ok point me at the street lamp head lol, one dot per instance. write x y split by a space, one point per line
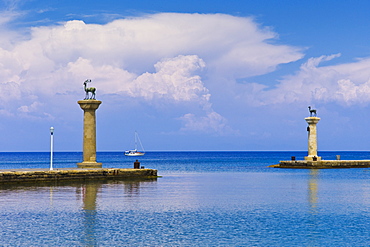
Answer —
51 147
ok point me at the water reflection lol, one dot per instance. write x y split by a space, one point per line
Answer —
313 209
51 196
87 193
90 192
132 188
313 190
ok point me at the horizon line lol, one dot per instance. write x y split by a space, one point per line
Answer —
115 151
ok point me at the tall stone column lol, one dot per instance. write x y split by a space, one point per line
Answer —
312 138
89 139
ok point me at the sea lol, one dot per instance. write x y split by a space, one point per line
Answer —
200 199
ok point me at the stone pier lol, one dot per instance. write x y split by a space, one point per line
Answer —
89 136
69 174
312 139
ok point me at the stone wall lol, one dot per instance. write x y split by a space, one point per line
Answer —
74 174
322 164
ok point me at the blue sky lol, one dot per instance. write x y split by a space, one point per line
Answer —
191 75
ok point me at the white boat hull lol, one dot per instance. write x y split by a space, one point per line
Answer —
134 154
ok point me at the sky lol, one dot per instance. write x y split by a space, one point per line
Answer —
186 75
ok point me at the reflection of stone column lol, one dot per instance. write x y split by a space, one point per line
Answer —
89 138
313 188
90 192
312 138
314 215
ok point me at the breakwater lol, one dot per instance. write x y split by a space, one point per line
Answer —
323 164
31 175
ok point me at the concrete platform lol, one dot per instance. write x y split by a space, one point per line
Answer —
31 175
323 164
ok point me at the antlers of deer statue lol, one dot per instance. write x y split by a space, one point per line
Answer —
88 90
312 112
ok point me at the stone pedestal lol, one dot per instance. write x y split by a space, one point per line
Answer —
89 138
312 139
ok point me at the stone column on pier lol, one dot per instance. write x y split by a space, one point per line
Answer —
89 137
312 138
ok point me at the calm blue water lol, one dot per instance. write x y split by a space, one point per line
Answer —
202 199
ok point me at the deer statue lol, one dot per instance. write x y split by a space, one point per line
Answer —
312 112
89 90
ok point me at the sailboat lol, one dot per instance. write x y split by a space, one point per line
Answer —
135 152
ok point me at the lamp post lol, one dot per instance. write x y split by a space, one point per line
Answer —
51 148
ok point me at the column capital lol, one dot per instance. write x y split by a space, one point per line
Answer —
312 120
89 104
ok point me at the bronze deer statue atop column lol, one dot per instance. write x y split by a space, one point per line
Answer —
312 112
89 90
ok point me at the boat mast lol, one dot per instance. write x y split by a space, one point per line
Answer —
136 139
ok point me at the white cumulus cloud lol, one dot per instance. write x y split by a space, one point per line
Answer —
165 56
212 122
174 78
345 84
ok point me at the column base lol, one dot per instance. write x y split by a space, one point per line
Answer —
311 158
89 165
